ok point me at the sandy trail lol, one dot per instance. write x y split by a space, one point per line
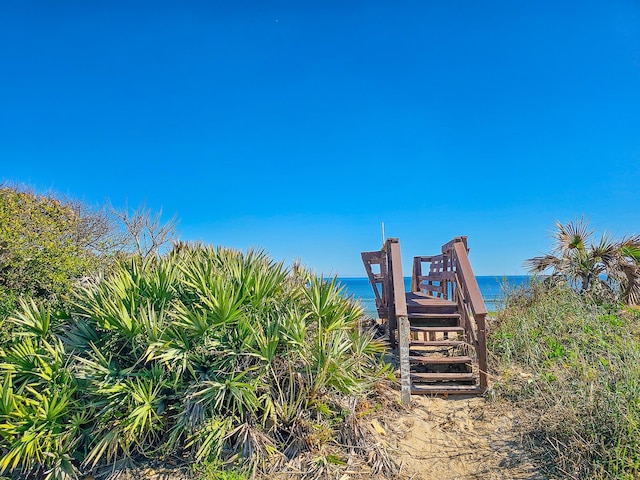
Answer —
451 439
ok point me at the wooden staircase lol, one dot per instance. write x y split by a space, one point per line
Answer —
439 323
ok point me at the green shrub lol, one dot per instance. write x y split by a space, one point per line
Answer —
48 244
39 254
216 471
209 354
576 366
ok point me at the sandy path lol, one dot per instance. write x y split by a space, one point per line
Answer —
451 439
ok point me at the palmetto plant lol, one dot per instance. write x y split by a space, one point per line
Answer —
206 353
606 266
41 419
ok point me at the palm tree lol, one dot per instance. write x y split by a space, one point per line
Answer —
607 265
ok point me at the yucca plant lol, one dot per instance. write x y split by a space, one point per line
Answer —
209 353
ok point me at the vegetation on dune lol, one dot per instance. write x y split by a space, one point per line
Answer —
567 350
574 366
207 354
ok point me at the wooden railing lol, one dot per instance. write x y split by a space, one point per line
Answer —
378 280
451 277
387 283
391 303
400 315
439 279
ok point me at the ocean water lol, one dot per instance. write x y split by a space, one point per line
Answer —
492 289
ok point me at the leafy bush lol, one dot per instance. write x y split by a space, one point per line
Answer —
204 353
39 254
47 244
575 366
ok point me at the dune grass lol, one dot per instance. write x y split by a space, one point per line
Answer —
574 366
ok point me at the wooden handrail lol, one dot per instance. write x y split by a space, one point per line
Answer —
467 295
472 291
449 245
395 267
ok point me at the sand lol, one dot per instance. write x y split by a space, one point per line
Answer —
450 439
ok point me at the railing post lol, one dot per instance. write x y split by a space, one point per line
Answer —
445 283
416 273
405 372
400 314
482 350
392 323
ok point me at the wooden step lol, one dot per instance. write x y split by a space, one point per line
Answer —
420 299
435 320
433 315
446 390
438 329
443 377
440 360
436 343
423 303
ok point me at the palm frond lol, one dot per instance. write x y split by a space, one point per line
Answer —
572 235
546 262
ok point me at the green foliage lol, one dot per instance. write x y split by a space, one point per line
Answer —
47 244
217 471
206 353
576 367
607 271
38 255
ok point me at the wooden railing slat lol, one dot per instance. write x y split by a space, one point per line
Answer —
470 282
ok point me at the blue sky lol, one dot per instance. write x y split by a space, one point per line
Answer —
299 126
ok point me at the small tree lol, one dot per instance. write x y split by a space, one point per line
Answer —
609 265
44 245
47 243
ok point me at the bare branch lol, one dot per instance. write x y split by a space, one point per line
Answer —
146 233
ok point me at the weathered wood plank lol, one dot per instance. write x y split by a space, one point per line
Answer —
425 389
438 343
441 360
438 329
405 366
423 299
418 316
444 376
